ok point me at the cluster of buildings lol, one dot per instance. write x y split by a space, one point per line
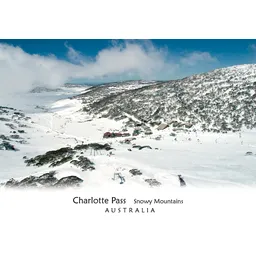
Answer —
137 130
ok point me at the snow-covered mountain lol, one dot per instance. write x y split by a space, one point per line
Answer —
221 100
56 138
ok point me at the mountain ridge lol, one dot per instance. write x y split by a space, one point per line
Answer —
220 100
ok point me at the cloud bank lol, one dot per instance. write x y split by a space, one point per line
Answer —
196 58
21 71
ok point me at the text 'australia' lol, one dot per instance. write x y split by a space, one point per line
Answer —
129 210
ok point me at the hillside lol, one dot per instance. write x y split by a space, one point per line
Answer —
57 138
221 100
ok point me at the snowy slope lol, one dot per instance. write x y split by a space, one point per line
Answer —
55 119
221 100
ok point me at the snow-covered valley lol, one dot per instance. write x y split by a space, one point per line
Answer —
50 132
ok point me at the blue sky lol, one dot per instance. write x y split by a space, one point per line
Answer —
108 60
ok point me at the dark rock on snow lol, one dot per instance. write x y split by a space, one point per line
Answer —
69 181
153 182
95 146
28 182
3 137
135 172
4 119
11 183
16 137
11 126
7 146
46 180
54 157
63 155
84 163
145 147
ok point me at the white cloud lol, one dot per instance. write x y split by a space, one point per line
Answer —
73 55
21 71
195 58
141 58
